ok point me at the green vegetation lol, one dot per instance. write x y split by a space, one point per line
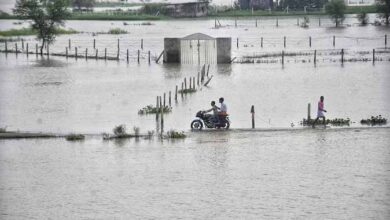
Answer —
172 134
150 109
3 130
362 18
46 16
74 137
119 16
383 8
377 120
334 122
185 91
30 31
119 130
336 10
116 4
117 31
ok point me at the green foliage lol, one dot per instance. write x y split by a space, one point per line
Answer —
383 8
334 122
362 18
172 134
336 10
117 31
74 137
30 31
150 109
46 16
377 120
119 130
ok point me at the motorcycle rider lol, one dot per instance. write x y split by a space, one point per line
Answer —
222 110
214 109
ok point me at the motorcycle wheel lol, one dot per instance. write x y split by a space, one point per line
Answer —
227 125
196 125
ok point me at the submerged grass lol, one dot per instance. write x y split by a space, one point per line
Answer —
172 134
30 31
334 122
377 120
75 137
150 109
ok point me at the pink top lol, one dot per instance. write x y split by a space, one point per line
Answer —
320 106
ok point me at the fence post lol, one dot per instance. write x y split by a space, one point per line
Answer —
27 49
253 116
22 44
176 93
182 89
310 41
277 22
66 52
75 52
16 48
105 53
149 56
193 82
142 44
256 22
198 78
237 42
342 55
94 43
235 22
164 100
282 57
138 56
169 99
373 55
185 83
47 50
315 57
334 41
261 42
86 53
284 41
308 112
96 55
6 46
157 108
127 55
385 41
36 49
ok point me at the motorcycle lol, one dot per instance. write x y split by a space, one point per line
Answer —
207 121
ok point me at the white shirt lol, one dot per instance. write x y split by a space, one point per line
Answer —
223 107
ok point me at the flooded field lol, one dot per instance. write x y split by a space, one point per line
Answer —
239 174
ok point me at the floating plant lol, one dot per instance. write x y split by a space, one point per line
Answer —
150 109
377 120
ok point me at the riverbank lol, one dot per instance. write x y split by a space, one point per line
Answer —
131 16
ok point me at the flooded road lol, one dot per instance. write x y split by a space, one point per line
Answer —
311 174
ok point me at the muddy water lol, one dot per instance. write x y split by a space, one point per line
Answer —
219 175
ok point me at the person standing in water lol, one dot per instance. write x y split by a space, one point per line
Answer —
320 111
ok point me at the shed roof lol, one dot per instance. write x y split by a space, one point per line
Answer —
198 36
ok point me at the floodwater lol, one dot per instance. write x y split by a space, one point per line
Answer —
320 174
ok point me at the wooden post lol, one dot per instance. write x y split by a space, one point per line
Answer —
36 49
149 56
169 99
235 22
157 108
41 51
138 56
66 52
182 89
86 53
277 22
308 112
198 78
193 82
47 50
6 46
334 41
261 42
96 55
282 57
127 55
256 22
176 93
27 49
190 82
208 68
164 100
16 48
160 101
310 41
284 41
75 52
22 44
185 83
69 44
162 118
237 42
373 55
94 43
385 41
253 116
215 23
142 44
105 53
315 57
342 55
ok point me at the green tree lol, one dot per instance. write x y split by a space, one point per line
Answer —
362 18
336 10
46 16
383 8
83 4
300 4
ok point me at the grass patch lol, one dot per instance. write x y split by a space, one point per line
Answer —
120 16
150 109
74 137
185 91
172 134
377 120
30 31
117 31
334 122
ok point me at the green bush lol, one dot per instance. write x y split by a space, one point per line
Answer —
377 120
172 134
